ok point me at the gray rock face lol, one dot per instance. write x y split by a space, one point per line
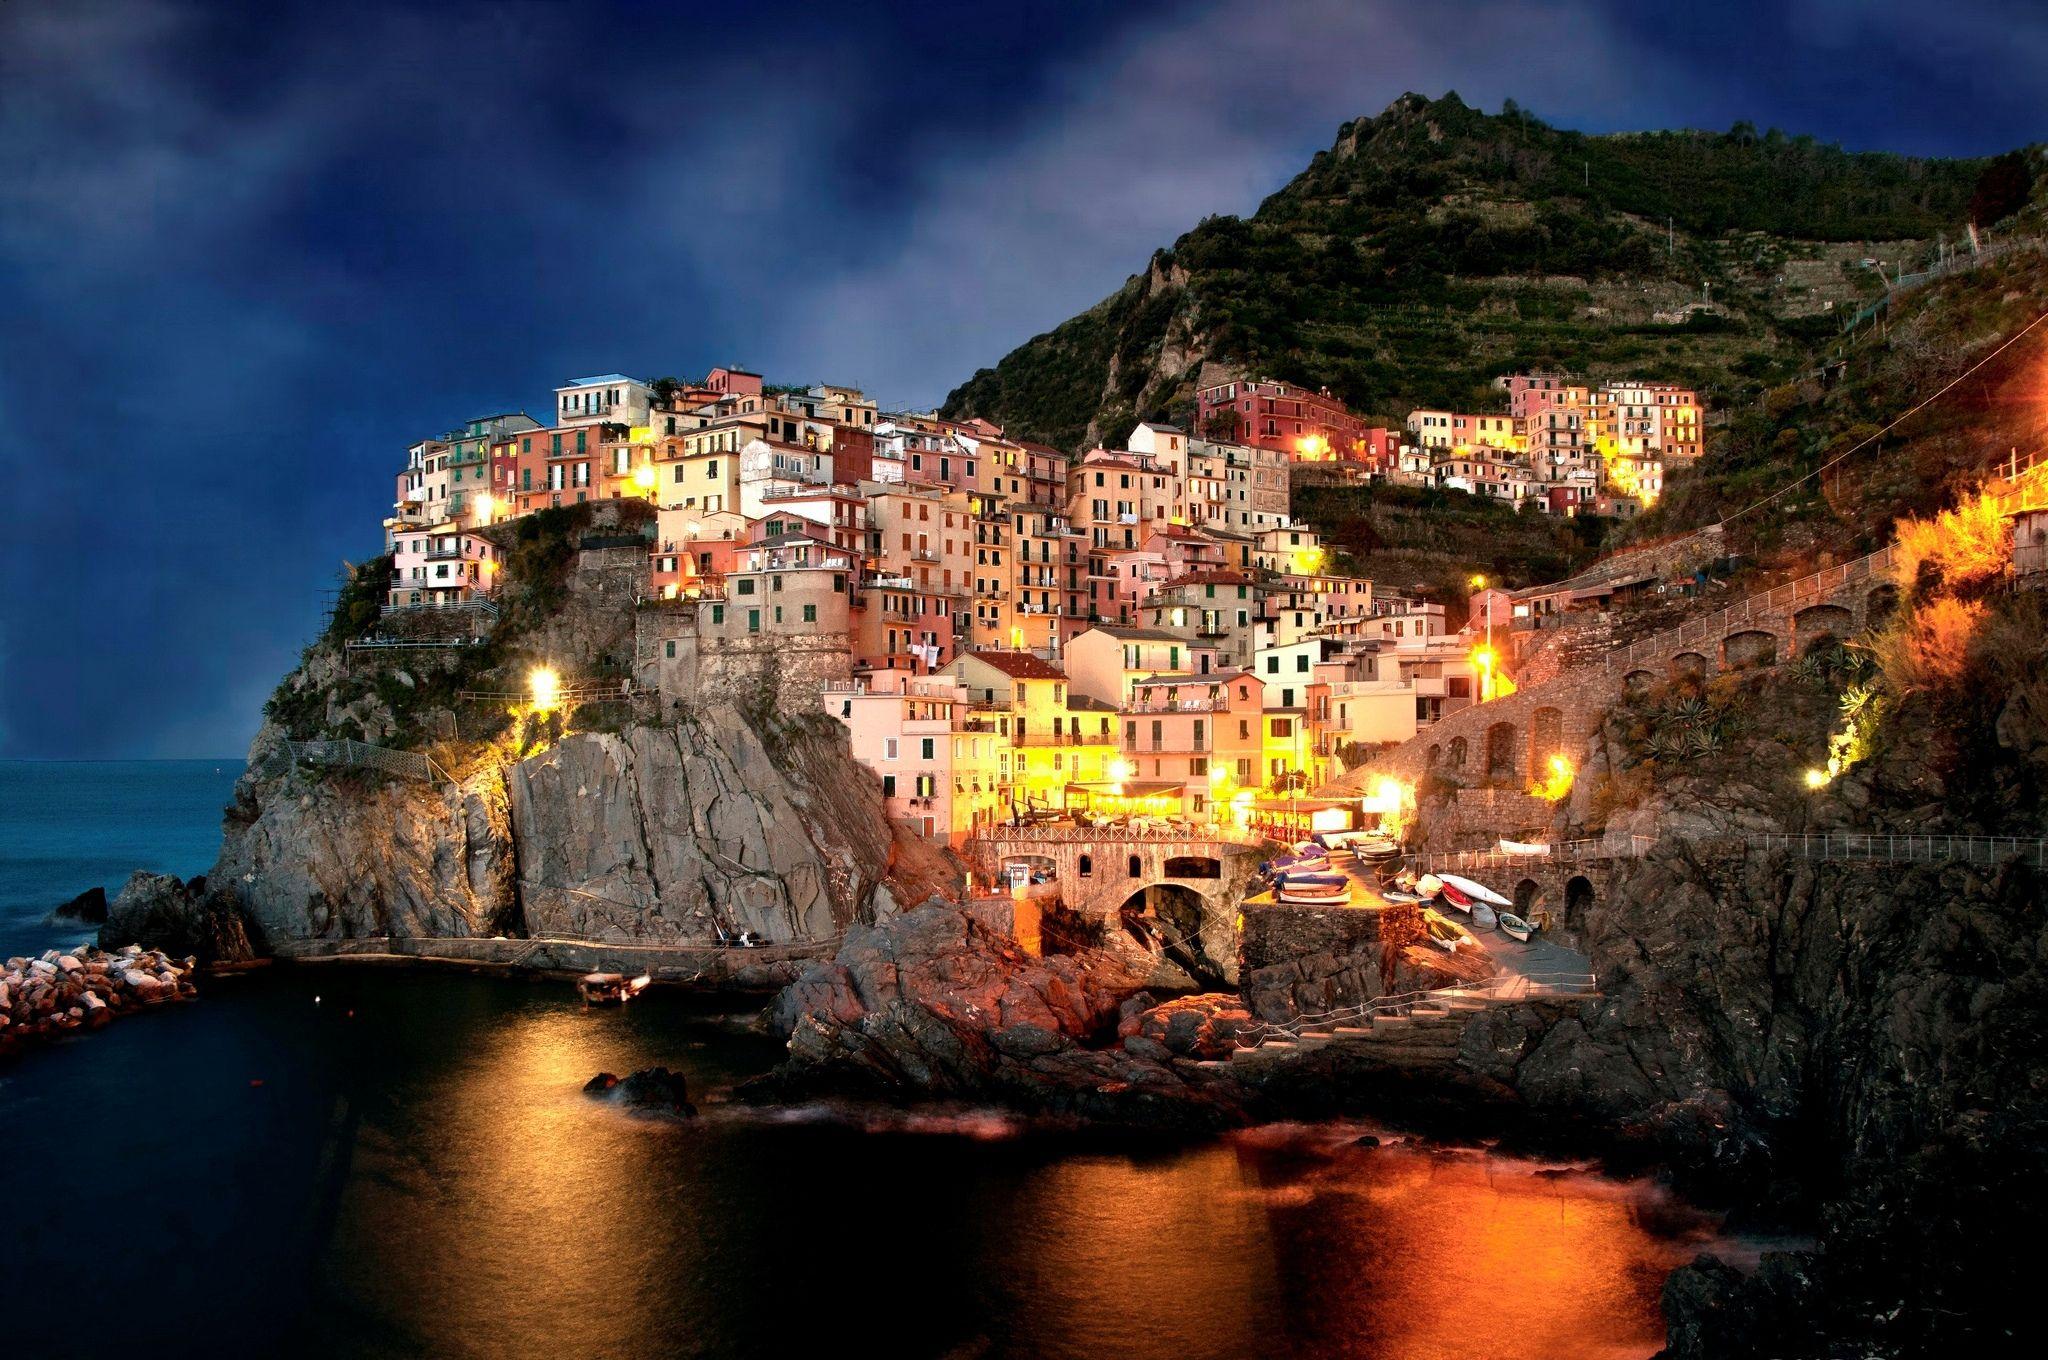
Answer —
1834 1040
654 834
667 833
331 858
157 911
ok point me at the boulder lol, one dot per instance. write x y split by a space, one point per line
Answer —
157 911
88 908
653 1091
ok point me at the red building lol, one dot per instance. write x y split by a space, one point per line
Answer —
1282 417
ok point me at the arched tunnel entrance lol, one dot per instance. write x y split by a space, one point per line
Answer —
1166 919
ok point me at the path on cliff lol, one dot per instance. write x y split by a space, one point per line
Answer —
1539 957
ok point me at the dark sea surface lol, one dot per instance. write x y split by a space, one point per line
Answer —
365 1162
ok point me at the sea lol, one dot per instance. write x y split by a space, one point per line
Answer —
338 1160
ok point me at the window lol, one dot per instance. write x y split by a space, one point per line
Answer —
925 749
888 786
888 748
718 613
1301 661
669 649
753 620
1085 866
810 613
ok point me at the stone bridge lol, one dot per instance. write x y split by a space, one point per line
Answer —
1143 888
1511 740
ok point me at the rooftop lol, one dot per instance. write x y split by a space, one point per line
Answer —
1019 665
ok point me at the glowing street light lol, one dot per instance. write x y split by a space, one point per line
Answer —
486 505
544 686
643 478
1816 779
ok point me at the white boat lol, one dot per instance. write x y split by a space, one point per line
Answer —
1396 895
1428 886
1478 892
1483 916
1514 927
1508 847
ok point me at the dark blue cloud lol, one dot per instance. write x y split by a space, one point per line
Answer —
249 252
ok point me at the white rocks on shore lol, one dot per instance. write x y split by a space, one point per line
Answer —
46 996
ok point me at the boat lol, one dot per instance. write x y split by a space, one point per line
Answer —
1455 899
610 989
1483 916
1514 927
1446 934
1428 886
1478 892
1378 855
1508 847
1398 895
1314 859
1313 890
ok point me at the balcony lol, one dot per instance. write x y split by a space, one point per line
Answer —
1064 739
925 555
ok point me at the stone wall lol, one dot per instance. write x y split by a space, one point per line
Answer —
675 664
1277 934
1474 819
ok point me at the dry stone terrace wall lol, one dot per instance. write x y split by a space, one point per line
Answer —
1508 741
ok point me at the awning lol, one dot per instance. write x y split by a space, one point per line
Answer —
1128 788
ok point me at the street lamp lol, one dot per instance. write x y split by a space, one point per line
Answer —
545 687
1479 583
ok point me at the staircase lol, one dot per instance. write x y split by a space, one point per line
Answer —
1409 1029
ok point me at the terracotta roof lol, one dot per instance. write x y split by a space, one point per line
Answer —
1020 665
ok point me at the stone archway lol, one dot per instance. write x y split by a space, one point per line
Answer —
1532 902
1750 647
1500 750
1167 920
1455 757
1436 754
1635 682
1818 622
1688 663
1879 603
1579 898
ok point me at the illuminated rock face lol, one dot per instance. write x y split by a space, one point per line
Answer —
668 834
932 1004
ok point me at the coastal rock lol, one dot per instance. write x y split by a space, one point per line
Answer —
1206 1026
667 834
88 908
933 1004
49 996
158 911
649 1091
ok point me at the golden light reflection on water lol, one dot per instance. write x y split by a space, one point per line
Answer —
493 1210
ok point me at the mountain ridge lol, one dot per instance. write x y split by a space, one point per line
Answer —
1435 246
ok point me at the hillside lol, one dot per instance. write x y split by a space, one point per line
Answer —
1435 246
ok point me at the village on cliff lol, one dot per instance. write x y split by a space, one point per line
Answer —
1010 632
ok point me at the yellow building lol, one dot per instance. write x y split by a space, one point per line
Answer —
1052 737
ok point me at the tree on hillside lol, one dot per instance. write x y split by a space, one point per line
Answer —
2002 190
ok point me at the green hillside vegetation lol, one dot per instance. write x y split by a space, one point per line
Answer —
1435 247
1932 335
1433 541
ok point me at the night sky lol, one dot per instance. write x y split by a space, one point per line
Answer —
249 253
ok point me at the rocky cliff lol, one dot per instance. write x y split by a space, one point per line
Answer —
652 834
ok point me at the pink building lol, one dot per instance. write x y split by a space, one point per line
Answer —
936 760
440 565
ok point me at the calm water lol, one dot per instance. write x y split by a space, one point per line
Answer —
372 1163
